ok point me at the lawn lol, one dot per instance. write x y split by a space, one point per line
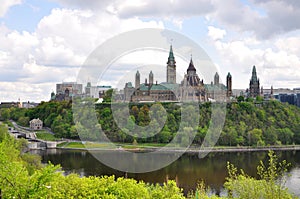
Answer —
96 145
89 145
46 136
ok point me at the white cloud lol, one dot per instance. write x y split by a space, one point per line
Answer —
57 48
263 19
6 4
216 33
275 65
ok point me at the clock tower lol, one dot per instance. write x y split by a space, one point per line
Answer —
171 68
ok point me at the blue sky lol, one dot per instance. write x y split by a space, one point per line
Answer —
45 42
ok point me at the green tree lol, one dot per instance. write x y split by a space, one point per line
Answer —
240 98
23 121
5 113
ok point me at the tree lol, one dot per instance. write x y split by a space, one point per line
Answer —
240 185
23 121
5 113
108 95
255 137
240 98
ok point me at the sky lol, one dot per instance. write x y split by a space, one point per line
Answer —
44 42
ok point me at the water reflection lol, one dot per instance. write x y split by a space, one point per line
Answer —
188 170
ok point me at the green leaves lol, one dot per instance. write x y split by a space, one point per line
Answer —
240 185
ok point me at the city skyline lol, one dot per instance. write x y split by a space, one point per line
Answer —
46 42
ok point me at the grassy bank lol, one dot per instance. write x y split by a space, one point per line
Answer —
155 146
44 135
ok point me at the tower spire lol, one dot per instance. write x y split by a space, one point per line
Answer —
191 66
171 55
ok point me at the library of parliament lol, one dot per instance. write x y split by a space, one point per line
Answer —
191 88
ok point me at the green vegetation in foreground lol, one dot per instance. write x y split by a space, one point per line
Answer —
46 136
23 176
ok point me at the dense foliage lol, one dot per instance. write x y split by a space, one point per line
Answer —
247 123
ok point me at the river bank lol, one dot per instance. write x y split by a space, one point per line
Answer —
192 149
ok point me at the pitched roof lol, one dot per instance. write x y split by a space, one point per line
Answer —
191 66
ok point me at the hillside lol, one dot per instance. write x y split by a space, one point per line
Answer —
247 123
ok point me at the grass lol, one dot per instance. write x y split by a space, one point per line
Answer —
89 145
96 145
46 136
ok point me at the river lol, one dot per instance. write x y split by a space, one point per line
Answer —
187 171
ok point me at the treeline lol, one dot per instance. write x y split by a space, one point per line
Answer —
246 123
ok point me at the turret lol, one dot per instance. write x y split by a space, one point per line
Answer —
150 78
216 79
137 80
229 84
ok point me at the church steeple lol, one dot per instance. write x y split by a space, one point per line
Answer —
254 75
254 84
171 68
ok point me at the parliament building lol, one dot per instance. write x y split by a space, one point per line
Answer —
191 88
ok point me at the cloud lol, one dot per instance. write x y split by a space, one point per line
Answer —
275 65
58 47
216 33
264 19
25 91
167 8
6 4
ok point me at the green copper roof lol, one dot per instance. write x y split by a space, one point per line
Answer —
254 69
143 87
228 75
254 75
129 85
169 86
210 87
171 55
158 87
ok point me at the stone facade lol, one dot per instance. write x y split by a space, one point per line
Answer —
36 124
191 88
